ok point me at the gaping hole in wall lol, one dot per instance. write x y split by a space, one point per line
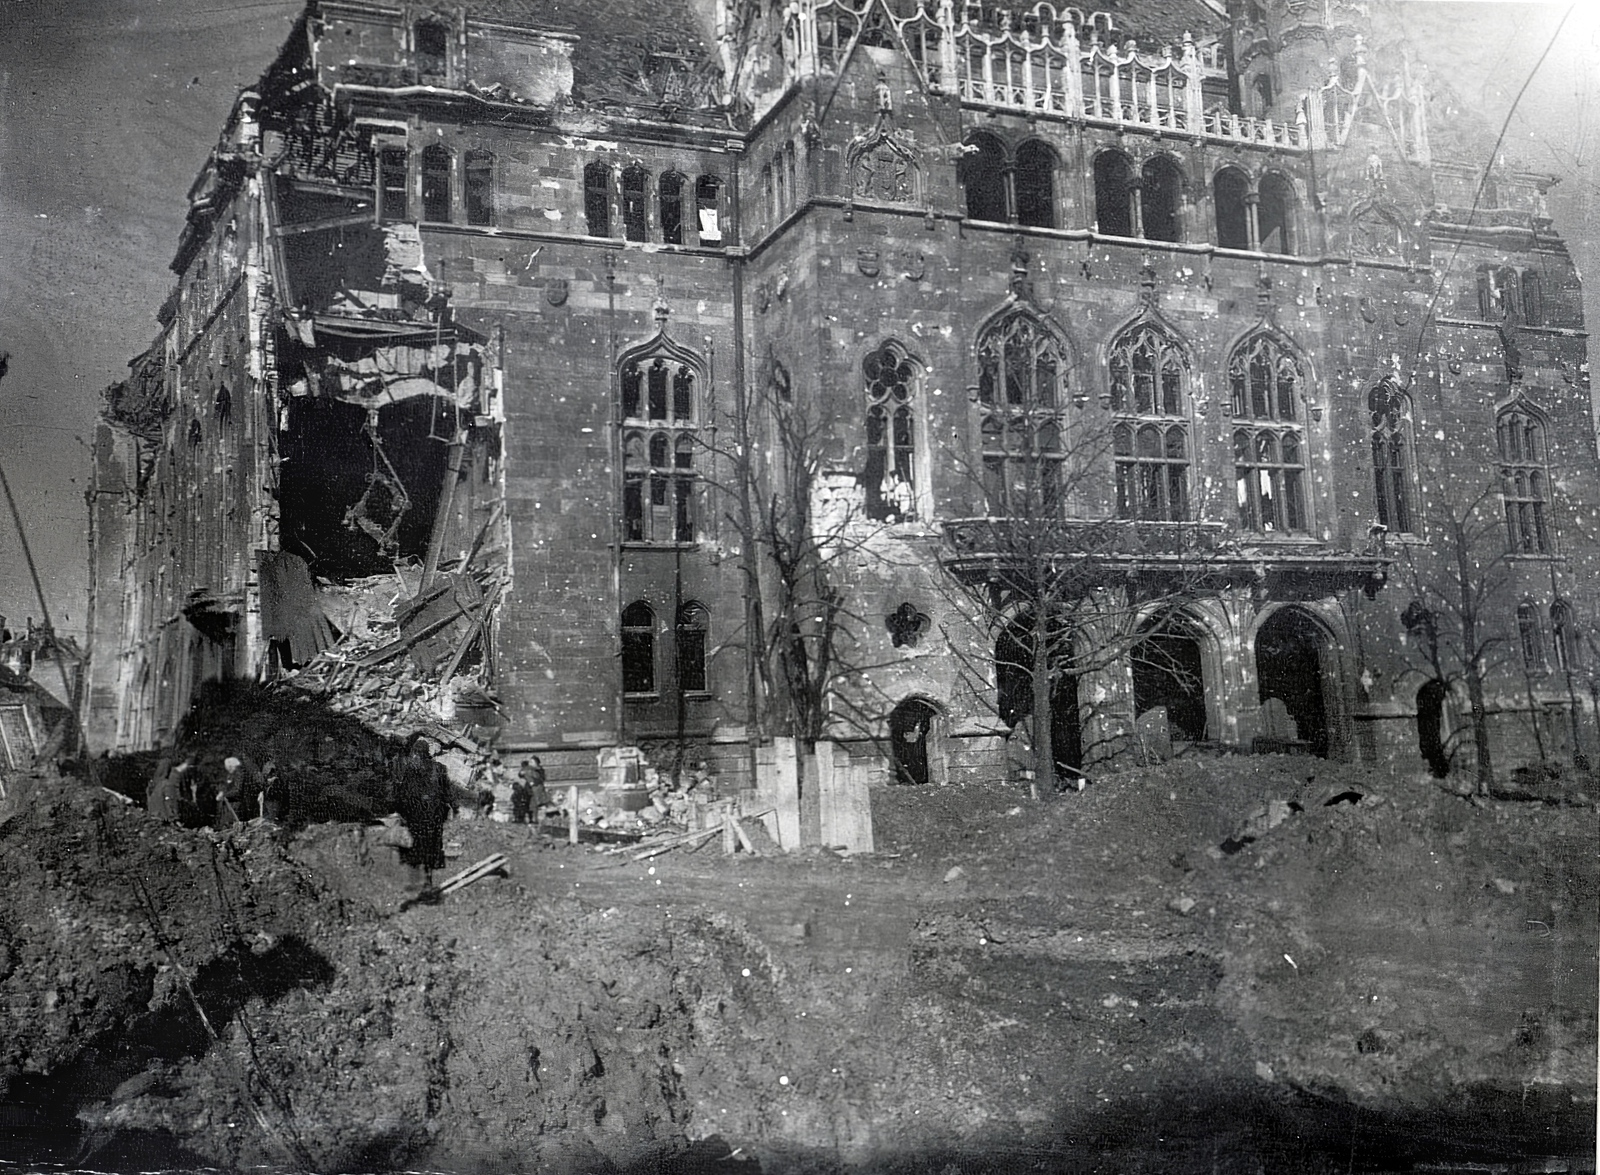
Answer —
1289 648
1228 192
1162 200
982 174
1167 672
354 495
910 725
1113 194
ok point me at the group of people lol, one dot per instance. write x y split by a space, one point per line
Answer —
530 799
182 793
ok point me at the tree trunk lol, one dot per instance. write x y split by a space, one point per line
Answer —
1044 751
1474 663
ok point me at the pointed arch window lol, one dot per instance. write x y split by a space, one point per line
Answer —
1161 200
1565 638
1524 480
1269 453
436 183
638 650
1275 206
1529 637
1114 187
708 209
597 199
1150 436
635 217
1034 181
694 622
1021 387
659 446
891 377
1390 411
392 168
983 176
1229 194
478 194
670 189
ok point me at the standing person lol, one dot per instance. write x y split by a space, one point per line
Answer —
520 792
532 773
422 794
164 799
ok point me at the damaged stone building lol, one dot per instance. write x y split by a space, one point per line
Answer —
524 299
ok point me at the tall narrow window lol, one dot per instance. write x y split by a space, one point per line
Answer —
1021 383
670 187
635 218
638 649
1034 178
789 172
982 174
1161 200
659 446
1564 637
1523 480
1532 299
1529 638
690 634
1150 438
1228 197
1491 296
479 192
597 199
1268 444
708 209
890 476
1391 455
433 45
436 183
769 191
1275 215
392 184
1113 194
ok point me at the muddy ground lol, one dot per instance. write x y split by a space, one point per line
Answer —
1216 966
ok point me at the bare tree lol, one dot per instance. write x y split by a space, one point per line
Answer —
1059 582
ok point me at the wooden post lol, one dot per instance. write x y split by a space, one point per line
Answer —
572 814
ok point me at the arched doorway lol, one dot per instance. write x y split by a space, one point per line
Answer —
1013 660
1430 728
1169 671
910 739
1289 670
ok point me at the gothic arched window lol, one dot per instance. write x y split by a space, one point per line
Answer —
1229 191
1113 194
1524 480
1150 438
1564 637
436 183
1021 385
392 184
983 176
1390 411
1034 181
659 444
635 214
638 649
690 637
1275 205
670 189
478 194
597 199
891 378
1269 454
1529 637
1161 200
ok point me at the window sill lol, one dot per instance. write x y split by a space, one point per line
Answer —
647 545
641 698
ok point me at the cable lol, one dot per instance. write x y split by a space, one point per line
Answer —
1483 182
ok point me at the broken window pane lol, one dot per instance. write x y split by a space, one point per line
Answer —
693 622
635 183
436 183
597 199
392 184
671 188
638 649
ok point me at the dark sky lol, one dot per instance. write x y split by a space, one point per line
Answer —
108 107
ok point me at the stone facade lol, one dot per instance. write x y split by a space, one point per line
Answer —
611 265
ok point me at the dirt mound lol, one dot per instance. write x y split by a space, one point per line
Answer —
1215 965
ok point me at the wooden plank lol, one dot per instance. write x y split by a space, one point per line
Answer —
475 872
780 786
845 803
572 814
744 839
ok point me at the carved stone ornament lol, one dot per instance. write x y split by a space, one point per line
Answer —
1376 230
764 297
556 291
869 262
913 265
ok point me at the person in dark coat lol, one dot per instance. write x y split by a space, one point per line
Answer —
422 796
165 798
531 776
